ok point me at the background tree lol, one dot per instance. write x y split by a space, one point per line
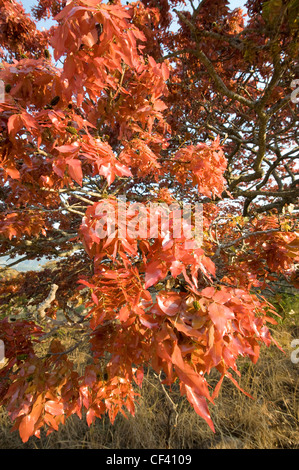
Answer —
202 113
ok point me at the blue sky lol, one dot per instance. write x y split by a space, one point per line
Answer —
237 3
28 4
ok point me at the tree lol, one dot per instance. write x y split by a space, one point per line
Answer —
203 113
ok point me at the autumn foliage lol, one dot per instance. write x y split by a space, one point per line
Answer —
114 100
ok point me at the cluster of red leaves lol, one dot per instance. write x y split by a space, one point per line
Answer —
18 338
185 335
204 165
18 224
18 33
44 391
274 252
94 63
106 396
111 229
279 249
48 8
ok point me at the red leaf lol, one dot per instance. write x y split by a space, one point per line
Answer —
228 374
29 121
37 409
208 264
90 39
148 322
220 314
68 148
15 123
49 419
75 170
176 268
26 428
188 375
54 408
159 105
152 62
85 283
90 416
124 313
186 329
169 303
217 388
139 376
200 406
154 272
222 297
208 292
59 168
13 173
94 298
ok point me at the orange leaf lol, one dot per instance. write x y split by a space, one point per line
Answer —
15 123
54 408
26 428
200 406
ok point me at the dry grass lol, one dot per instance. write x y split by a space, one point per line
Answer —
268 421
